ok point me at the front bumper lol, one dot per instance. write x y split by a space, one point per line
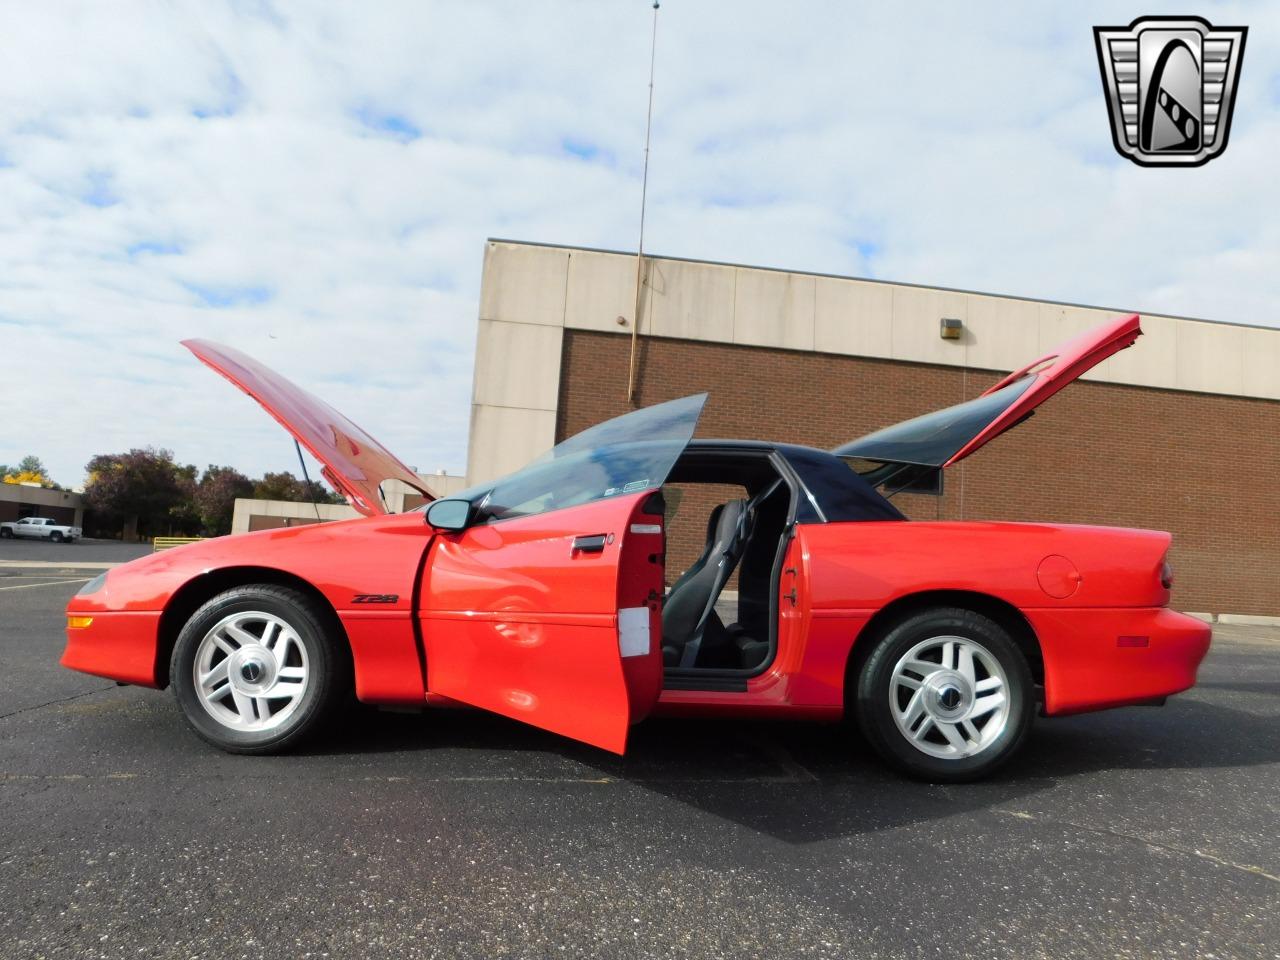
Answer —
117 645
1094 659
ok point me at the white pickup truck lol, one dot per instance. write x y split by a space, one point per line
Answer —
39 528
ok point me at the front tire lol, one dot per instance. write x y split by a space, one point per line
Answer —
945 696
56 537
258 669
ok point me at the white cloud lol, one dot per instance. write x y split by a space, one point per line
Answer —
314 185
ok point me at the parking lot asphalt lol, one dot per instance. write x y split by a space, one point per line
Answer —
1133 833
14 550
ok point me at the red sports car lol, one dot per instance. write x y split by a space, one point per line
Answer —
544 596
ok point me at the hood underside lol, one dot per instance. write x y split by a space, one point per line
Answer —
353 462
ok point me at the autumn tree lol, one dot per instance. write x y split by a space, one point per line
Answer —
285 486
30 469
216 494
184 514
139 487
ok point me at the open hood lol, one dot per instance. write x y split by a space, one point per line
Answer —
354 463
947 436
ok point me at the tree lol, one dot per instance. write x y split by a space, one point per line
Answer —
216 495
285 486
29 469
184 514
141 486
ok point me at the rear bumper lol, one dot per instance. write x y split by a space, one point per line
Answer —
116 645
1094 659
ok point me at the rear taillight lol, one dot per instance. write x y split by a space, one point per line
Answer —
1166 575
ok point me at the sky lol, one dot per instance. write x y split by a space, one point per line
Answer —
313 184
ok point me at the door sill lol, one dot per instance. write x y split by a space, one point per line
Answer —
689 682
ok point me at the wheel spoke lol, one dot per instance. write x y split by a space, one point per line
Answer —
281 649
223 644
264 711
964 662
984 705
244 706
970 731
914 708
954 736
919 732
269 633
987 685
291 674
949 655
240 635
911 683
214 678
922 667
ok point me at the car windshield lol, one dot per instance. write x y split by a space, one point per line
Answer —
627 454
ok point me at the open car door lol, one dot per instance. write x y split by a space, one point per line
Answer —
927 444
353 462
547 606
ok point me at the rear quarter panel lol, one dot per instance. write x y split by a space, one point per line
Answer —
851 571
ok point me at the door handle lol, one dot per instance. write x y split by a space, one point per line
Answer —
589 544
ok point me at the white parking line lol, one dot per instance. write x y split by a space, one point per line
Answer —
51 583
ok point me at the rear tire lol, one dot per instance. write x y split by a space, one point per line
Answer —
6 534
259 669
945 696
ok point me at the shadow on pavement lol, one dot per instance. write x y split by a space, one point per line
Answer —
802 782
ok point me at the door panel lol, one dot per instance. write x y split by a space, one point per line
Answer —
518 621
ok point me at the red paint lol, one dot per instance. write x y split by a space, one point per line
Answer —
117 645
518 622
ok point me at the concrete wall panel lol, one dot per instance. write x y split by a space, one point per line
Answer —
1001 334
523 283
773 309
917 317
601 289
1262 363
1209 358
517 365
692 301
852 317
504 439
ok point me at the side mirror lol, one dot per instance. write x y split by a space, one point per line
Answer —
449 514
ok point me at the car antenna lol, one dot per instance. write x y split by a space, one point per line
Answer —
644 195
303 463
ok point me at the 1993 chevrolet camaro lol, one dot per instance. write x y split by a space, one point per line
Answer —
544 595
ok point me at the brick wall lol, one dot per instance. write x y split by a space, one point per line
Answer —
1201 466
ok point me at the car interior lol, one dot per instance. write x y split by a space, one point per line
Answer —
719 613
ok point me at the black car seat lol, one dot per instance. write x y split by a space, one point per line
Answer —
690 606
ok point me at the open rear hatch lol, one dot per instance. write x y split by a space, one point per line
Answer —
911 454
353 462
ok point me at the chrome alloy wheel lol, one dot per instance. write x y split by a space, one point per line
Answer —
250 671
948 696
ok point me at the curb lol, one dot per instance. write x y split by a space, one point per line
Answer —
1248 620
